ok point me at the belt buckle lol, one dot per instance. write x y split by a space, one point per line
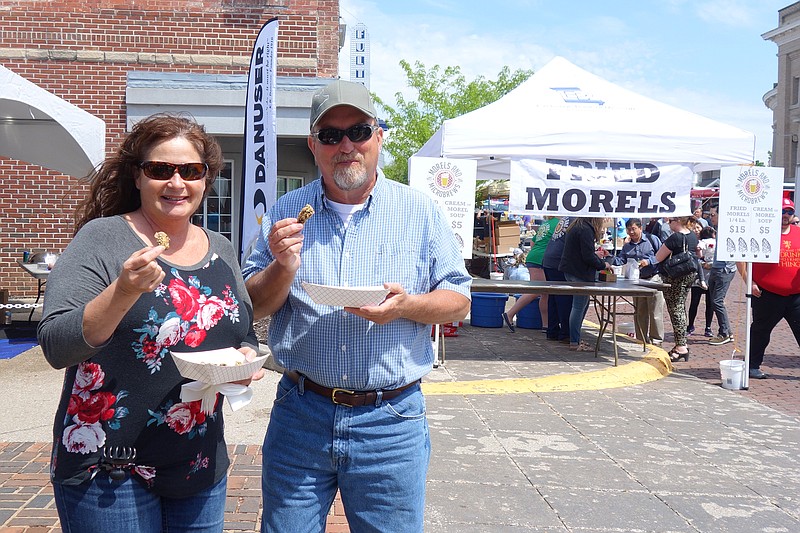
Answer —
345 391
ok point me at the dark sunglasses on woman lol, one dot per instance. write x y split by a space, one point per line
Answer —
159 170
357 134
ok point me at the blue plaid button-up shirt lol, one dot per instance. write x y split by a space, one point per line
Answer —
400 236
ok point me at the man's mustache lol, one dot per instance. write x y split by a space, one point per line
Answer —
348 158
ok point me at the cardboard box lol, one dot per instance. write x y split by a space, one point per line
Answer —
505 243
507 228
607 276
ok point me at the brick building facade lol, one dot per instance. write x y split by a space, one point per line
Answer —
784 98
123 59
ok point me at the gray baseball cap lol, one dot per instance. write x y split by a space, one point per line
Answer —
340 93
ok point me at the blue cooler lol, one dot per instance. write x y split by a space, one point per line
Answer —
487 309
529 316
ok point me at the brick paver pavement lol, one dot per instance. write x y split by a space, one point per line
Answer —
781 359
27 505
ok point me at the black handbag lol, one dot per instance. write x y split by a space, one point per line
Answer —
680 264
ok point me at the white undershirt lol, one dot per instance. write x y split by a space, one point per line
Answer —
345 211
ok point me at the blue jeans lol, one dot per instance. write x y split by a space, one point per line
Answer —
718 282
103 505
376 455
580 304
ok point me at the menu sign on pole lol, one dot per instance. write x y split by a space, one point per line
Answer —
749 227
451 183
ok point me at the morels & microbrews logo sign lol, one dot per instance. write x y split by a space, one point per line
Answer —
752 184
444 179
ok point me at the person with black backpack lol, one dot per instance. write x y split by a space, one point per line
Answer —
649 314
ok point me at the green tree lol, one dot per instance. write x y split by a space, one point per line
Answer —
441 94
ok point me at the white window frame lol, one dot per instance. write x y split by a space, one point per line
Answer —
205 218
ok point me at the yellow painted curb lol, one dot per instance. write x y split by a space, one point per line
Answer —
655 365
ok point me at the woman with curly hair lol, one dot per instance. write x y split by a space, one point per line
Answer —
137 281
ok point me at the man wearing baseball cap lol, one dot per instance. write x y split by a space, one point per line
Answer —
349 413
776 291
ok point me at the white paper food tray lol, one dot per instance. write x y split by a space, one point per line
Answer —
216 366
345 296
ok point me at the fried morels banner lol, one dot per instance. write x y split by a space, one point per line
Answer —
599 188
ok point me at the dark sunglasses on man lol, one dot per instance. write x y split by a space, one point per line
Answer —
159 170
357 134
788 211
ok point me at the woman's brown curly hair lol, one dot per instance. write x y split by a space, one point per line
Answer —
113 187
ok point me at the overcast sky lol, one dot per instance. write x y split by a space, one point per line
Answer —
704 56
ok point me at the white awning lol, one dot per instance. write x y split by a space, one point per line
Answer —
38 127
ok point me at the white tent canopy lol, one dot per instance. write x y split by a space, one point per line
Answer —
563 112
38 127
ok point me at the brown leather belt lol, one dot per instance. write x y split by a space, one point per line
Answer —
347 397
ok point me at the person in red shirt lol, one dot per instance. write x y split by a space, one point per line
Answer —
776 292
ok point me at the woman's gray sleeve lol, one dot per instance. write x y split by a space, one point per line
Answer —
82 272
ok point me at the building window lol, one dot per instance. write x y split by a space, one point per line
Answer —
795 90
216 212
286 184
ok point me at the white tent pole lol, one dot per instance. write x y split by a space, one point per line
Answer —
748 299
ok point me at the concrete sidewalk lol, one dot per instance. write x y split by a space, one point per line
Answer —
660 454
674 454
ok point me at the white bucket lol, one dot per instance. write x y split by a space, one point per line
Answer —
496 275
732 371
628 328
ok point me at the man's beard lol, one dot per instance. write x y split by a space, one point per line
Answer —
350 178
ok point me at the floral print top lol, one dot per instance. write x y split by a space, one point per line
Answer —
127 392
